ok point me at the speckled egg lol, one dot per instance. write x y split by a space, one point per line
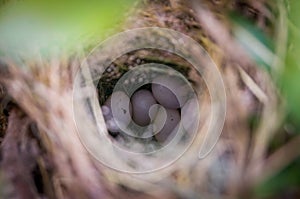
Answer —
142 100
172 121
169 91
190 115
165 96
123 111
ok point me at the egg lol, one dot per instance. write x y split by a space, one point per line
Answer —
172 121
165 96
142 100
169 91
190 115
123 111
112 126
106 112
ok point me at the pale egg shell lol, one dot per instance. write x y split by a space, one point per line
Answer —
172 121
123 112
106 112
165 96
142 100
170 91
112 126
190 115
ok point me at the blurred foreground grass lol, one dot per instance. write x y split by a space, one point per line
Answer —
287 181
291 75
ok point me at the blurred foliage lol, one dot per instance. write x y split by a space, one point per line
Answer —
288 179
32 26
286 183
262 49
253 40
291 75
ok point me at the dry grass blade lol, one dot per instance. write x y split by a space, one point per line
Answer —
20 157
278 160
220 34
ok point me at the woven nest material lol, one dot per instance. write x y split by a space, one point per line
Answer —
43 157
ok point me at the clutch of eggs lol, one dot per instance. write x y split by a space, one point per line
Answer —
169 94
